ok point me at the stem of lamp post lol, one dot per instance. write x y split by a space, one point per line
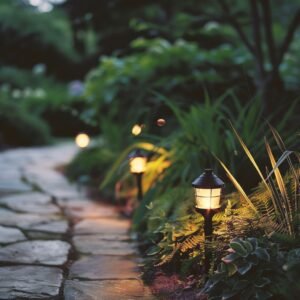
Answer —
208 231
139 186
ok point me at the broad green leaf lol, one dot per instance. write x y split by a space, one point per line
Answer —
244 268
239 248
261 282
230 258
262 254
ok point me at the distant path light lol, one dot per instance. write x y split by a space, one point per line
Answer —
136 129
161 122
82 140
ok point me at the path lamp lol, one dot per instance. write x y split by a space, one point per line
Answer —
82 140
208 190
137 164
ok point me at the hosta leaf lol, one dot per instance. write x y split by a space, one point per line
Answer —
241 285
262 254
248 246
244 268
228 294
261 282
231 269
263 295
253 242
239 248
230 258
253 259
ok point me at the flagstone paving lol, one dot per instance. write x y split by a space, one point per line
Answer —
55 243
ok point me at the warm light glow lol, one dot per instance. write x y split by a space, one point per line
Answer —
136 129
161 122
82 140
138 165
208 198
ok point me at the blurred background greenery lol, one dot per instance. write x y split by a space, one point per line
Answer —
70 62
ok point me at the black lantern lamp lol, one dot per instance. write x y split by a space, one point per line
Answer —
208 191
137 164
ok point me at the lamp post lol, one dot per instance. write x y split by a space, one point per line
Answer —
137 164
208 191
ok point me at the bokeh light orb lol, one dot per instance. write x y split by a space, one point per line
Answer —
82 140
161 122
136 129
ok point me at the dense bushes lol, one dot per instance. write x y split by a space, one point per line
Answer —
19 128
56 104
90 164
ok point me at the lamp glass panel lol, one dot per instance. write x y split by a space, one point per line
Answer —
208 198
138 165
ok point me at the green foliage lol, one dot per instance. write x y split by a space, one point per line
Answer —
19 128
23 22
168 195
276 201
255 269
91 163
44 97
35 92
157 64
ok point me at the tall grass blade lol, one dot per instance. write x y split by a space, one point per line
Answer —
238 187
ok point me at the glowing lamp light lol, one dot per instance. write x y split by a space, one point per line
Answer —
136 129
161 122
82 140
208 190
137 162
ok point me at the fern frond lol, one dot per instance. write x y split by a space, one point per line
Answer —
191 242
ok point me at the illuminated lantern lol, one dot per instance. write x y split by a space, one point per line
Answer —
136 129
137 164
82 140
208 190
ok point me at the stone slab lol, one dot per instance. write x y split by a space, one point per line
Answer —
51 182
8 173
10 235
36 203
109 226
88 210
94 244
57 227
100 267
106 290
14 186
29 282
24 221
52 253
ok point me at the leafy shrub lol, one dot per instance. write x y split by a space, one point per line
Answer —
276 200
46 98
176 70
19 128
24 22
255 269
90 163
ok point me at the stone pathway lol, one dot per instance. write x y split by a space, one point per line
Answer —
54 242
